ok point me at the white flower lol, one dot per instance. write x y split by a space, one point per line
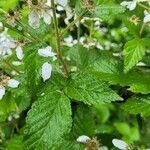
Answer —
46 71
46 52
37 12
19 52
2 91
147 17
60 8
13 83
83 139
6 44
69 41
120 144
48 3
62 2
16 63
58 2
69 14
103 148
131 5
34 19
46 15
13 72
140 64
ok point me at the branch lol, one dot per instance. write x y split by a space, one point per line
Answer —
59 54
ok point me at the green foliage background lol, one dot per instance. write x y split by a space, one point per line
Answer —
107 97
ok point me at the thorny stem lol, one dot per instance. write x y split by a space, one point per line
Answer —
59 54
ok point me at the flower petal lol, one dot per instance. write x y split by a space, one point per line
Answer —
83 139
124 3
120 144
46 71
2 92
62 2
19 53
147 18
131 5
13 83
46 16
46 52
16 63
34 19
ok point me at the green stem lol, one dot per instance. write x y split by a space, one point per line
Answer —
27 31
11 66
142 29
143 6
59 54
73 22
3 11
31 37
78 38
91 30
16 30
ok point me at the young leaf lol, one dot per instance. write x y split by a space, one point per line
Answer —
90 90
138 105
47 121
133 52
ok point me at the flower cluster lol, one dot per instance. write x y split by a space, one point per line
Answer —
46 67
131 5
7 81
7 44
43 10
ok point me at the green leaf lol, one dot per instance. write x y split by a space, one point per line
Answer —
70 144
31 67
7 105
47 121
6 4
110 69
138 105
83 122
15 143
56 83
125 129
103 11
133 29
33 64
106 11
81 56
134 51
90 90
